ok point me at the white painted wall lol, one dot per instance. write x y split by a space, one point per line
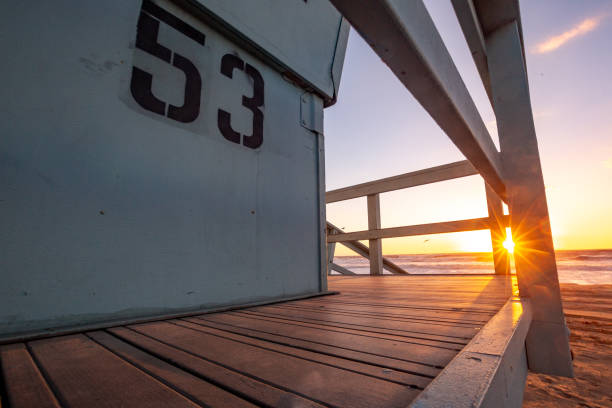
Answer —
189 219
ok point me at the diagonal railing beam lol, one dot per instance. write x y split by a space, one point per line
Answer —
478 18
340 269
364 251
468 20
404 36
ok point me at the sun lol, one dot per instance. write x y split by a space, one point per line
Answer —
508 243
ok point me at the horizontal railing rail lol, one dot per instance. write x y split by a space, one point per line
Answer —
416 178
473 224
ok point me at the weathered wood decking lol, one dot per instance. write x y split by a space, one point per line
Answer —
377 344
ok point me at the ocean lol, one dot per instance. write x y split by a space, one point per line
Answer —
585 267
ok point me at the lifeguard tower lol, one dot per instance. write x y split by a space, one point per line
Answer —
164 239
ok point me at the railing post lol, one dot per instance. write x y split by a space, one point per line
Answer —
376 259
501 257
547 342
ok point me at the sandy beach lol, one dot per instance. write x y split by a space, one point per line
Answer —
588 310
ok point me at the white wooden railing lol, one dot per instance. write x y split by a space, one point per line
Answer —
404 36
496 221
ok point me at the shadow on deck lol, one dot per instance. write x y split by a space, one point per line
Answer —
380 342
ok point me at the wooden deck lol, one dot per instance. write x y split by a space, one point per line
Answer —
377 344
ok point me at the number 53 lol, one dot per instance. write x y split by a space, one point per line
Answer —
141 81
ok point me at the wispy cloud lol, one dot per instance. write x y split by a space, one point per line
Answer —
557 41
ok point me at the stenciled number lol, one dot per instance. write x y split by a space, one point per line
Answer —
142 81
146 40
229 63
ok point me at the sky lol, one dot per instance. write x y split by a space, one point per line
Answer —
377 129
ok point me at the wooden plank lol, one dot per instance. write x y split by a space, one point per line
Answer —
431 313
304 377
548 340
495 360
385 362
432 317
87 375
428 311
199 391
501 257
416 178
411 351
363 323
405 38
341 269
415 303
364 251
481 309
411 380
246 387
489 304
360 331
408 307
368 324
24 383
376 267
473 224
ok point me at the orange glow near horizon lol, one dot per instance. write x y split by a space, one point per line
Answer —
475 241
427 204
